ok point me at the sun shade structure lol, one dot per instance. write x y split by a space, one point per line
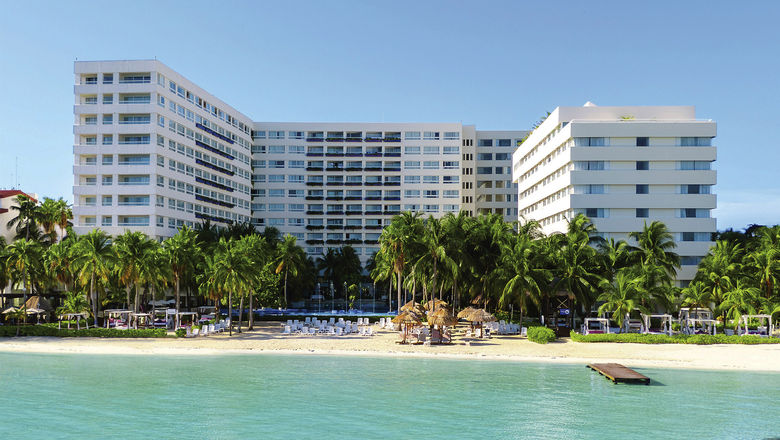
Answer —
466 312
36 302
765 327
10 310
666 324
442 317
406 319
413 307
480 315
431 305
595 325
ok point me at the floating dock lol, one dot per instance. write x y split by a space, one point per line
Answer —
618 373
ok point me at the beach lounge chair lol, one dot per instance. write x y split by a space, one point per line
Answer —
204 330
212 329
339 331
192 332
381 322
287 330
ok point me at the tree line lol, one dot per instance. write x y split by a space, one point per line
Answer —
487 261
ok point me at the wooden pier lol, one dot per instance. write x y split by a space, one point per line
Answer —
618 373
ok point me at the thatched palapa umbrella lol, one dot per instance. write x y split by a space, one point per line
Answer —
466 312
441 318
478 316
406 318
413 307
436 304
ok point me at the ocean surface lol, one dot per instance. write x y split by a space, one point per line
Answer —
329 397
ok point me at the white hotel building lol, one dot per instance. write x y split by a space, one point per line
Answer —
622 167
154 152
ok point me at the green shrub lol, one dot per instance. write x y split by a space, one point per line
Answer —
180 332
541 335
49 330
637 338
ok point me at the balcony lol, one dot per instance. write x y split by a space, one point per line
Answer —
313 183
372 168
350 183
314 227
214 167
314 212
370 241
214 184
353 169
388 183
373 213
392 154
373 183
214 133
353 198
334 139
314 139
315 241
392 198
393 169
335 183
354 212
313 168
313 197
214 150
334 169
334 198
373 227
335 212
373 198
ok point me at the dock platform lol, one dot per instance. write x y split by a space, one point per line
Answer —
619 374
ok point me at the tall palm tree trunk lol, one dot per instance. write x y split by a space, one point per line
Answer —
240 312
94 299
230 312
137 297
398 305
177 303
251 313
285 287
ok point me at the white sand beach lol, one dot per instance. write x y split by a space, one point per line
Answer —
267 338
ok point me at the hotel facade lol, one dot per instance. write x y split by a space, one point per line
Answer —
622 167
154 152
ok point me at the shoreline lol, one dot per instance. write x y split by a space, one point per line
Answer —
266 339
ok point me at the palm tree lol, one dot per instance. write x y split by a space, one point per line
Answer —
396 241
456 230
522 265
655 251
58 260
696 295
232 272
19 315
721 266
62 215
181 253
434 257
4 275
328 264
766 266
574 260
24 261
94 262
739 301
622 296
256 249
27 215
488 236
289 257
134 250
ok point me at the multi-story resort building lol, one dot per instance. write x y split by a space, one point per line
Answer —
154 152
622 167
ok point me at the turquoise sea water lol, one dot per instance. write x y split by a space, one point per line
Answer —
323 397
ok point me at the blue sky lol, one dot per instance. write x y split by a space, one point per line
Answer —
499 65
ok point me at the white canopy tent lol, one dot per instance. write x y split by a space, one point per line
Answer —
697 321
765 328
601 326
666 324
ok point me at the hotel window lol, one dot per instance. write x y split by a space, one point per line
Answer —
412 193
642 165
108 99
412 165
276 149
484 170
597 212
106 220
431 165
694 213
412 135
484 156
108 139
502 156
450 194
431 194
277 178
431 179
694 165
275 134
589 165
504 142
296 149
642 212
108 78
431 208
411 179
643 189
695 236
107 200
451 165
590 142
695 142
275 164
431 135
451 135
295 179
258 134
295 135
431 150
690 260
276 207
108 159
275 193
451 150
451 179
294 193
295 207
485 143
694 189
643 142
590 189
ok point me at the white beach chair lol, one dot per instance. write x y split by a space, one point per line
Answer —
524 331
289 322
307 320
332 320
212 329
312 330
381 322
339 331
204 330
287 330
369 331
192 332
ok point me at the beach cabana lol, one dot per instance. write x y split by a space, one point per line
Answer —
70 316
406 319
117 318
697 321
665 327
466 312
595 326
193 317
765 328
437 304
144 320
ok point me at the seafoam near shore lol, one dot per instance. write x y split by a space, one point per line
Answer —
266 338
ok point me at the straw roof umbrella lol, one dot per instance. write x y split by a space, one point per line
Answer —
437 304
413 307
480 315
405 318
440 318
11 309
466 312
